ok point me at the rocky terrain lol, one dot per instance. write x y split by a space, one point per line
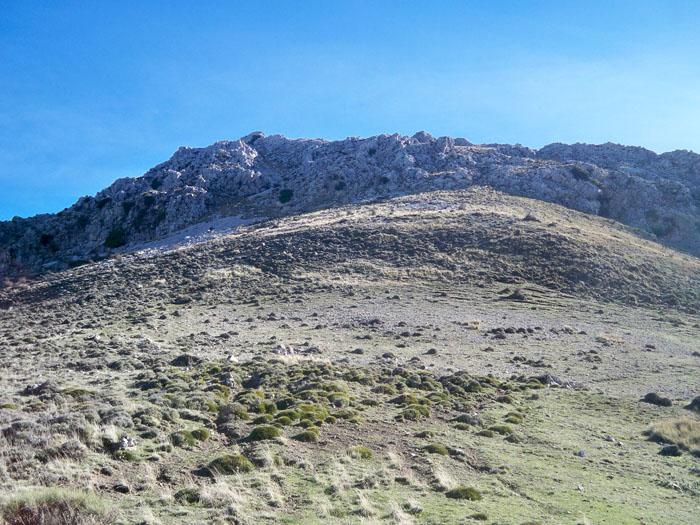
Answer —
450 357
262 176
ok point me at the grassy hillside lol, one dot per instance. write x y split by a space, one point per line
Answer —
452 357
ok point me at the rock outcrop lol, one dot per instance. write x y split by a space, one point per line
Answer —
268 176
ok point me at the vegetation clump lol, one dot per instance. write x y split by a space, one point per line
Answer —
115 238
264 433
286 195
405 399
201 434
462 492
436 448
514 418
360 452
53 506
183 438
189 496
694 405
683 432
230 464
310 435
414 413
504 430
655 399
232 412
384 389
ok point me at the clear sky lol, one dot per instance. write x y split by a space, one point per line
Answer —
92 91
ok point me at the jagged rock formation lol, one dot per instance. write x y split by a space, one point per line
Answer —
261 176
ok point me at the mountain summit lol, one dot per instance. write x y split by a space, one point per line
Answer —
261 176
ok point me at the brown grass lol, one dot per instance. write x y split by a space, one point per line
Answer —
56 507
682 431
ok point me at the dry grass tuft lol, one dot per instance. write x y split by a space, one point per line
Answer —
682 431
53 506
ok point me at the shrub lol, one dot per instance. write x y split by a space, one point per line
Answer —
473 387
514 418
115 238
54 506
310 435
232 412
504 430
286 195
345 414
384 389
655 399
462 492
266 407
436 448
360 452
183 438
694 405
283 421
125 455
46 239
580 173
230 464
291 414
486 433
148 200
405 399
263 433
189 496
313 412
414 413
201 434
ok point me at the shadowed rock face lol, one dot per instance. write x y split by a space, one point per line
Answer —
259 176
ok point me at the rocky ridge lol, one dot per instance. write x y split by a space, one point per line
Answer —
272 176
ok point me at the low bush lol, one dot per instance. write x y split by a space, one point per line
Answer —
504 430
360 452
310 435
115 238
263 433
183 438
436 448
286 195
462 492
189 496
655 399
201 434
230 464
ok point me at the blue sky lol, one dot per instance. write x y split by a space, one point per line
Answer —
92 91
